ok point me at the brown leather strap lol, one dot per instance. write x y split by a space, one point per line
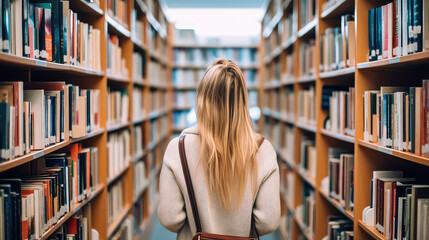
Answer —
188 181
253 232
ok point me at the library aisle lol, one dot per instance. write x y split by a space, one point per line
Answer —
92 91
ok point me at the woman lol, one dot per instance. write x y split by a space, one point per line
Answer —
233 177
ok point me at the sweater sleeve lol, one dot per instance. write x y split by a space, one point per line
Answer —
171 209
267 204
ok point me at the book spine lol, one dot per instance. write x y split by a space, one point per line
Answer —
396 28
410 26
371 34
417 25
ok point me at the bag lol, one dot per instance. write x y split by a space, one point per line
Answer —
200 235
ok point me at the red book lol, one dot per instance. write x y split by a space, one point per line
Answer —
48 34
72 226
395 27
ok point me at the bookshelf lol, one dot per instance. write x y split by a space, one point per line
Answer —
283 35
140 76
190 61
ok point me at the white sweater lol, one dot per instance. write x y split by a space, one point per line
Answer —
174 201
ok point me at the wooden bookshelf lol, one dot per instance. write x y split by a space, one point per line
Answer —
406 70
187 84
156 49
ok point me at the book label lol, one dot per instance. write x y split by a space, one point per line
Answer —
40 63
385 150
394 60
38 154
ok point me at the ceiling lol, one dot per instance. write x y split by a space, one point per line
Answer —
214 3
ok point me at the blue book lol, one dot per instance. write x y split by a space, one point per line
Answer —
412 112
417 25
371 34
8 210
385 119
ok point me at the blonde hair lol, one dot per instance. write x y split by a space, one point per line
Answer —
228 141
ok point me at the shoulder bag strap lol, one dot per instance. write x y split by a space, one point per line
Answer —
253 232
188 181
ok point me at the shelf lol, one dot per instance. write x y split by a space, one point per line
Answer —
411 61
288 81
185 88
86 7
273 84
203 66
117 78
289 43
306 127
111 228
339 8
89 135
35 64
182 108
137 42
338 136
400 154
302 227
139 195
208 45
349 214
272 24
307 79
156 114
75 208
140 120
345 72
307 29
275 53
306 178
276 115
371 231
117 27
110 181
118 127
6 165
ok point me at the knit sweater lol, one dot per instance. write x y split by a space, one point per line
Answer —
175 211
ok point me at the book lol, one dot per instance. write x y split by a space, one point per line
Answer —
118 152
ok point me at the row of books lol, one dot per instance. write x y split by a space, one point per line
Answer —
274 134
307 106
183 99
307 11
339 228
78 227
139 142
138 103
400 204
32 204
287 180
283 32
115 61
49 31
307 58
157 73
287 148
43 114
125 231
140 181
158 129
340 101
203 56
307 211
139 67
118 152
397 29
308 157
338 46
187 77
118 10
115 200
117 107
288 75
340 173
183 119
137 26
159 100
396 117
190 77
287 100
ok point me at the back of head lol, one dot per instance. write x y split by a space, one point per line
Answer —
228 141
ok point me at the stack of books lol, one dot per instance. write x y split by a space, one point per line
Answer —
33 204
307 106
115 61
39 114
341 181
307 59
77 227
118 152
117 107
307 163
341 105
307 11
115 200
118 10
339 228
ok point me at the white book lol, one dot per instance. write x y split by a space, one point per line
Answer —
425 26
426 221
401 201
27 125
404 27
381 174
12 126
420 217
37 99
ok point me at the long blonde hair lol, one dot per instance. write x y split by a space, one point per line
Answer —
228 141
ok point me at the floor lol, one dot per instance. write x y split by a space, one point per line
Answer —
160 233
